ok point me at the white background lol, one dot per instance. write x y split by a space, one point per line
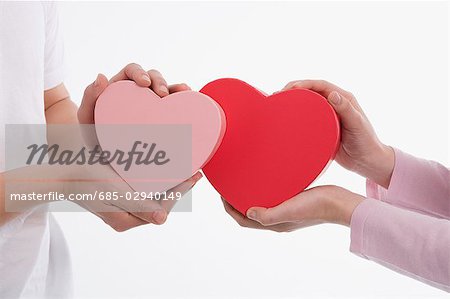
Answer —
392 56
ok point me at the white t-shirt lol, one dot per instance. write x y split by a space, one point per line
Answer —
34 260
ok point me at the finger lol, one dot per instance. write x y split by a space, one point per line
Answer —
246 222
349 116
122 221
156 214
119 219
91 94
154 210
180 189
86 111
159 84
322 87
239 218
146 209
288 211
135 72
178 87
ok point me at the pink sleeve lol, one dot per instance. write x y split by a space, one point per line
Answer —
416 184
413 244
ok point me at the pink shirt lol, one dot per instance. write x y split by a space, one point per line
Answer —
406 227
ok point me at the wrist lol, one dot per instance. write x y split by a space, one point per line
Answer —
342 203
384 166
379 166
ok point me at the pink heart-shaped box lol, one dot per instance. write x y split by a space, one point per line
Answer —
188 126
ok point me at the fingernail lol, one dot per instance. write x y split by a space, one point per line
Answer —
146 78
335 98
159 216
251 214
97 81
163 89
196 177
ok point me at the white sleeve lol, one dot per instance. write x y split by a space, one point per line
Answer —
54 48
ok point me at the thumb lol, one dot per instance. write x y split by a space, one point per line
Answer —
100 84
270 216
90 96
258 214
182 188
349 115
94 90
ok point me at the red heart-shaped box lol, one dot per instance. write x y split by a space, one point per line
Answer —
274 146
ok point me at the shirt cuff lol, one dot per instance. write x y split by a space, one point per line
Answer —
360 215
375 191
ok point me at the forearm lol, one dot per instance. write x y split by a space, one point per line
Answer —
378 165
37 179
410 243
62 111
340 204
416 184
4 216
